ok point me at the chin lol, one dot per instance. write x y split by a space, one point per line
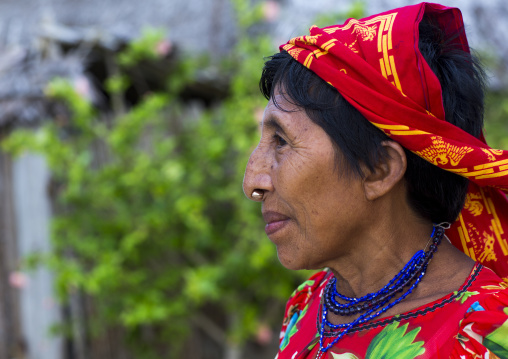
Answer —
292 262
287 261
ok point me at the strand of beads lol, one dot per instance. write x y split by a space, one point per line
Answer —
408 268
358 305
381 297
375 304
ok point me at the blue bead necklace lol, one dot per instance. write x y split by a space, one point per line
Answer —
372 305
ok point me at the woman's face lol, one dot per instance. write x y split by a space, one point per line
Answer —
313 210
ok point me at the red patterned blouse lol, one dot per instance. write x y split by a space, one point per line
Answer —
469 323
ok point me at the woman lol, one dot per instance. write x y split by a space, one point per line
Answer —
371 147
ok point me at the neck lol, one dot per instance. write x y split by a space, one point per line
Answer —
380 252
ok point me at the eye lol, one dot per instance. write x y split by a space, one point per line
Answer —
279 141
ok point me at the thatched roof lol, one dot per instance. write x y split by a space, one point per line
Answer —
35 44
25 73
193 24
23 77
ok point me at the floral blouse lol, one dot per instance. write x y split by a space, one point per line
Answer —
469 323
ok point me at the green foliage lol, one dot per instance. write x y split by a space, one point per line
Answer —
117 84
496 124
145 48
150 218
246 14
356 10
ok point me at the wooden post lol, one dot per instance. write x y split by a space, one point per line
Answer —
39 309
11 341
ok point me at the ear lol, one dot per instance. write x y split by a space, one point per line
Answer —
387 173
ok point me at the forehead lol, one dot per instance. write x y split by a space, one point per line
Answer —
281 99
282 111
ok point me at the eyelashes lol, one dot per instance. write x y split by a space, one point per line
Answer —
279 141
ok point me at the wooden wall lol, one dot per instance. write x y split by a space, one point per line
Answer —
28 307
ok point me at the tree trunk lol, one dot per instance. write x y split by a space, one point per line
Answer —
78 326
232 348
232 351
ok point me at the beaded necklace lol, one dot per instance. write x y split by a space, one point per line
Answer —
372 305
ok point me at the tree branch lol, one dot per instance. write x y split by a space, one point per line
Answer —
210 328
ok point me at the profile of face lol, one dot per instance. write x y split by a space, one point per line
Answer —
313 210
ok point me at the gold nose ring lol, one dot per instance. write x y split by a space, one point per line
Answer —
257 194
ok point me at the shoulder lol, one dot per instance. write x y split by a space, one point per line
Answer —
308 289
484 328
299 302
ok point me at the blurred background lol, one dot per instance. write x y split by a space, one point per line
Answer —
125 129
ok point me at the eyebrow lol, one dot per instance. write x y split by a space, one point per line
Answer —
273 123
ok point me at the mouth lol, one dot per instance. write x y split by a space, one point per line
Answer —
274 221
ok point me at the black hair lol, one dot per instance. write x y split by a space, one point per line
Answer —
433 193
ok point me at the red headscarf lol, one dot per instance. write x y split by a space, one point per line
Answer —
375 63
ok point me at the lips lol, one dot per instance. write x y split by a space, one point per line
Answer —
274 221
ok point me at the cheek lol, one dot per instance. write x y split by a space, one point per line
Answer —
332 205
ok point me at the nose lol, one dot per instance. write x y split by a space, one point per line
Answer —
257 182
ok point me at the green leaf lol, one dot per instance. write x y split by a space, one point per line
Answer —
497 341
464 296
393 343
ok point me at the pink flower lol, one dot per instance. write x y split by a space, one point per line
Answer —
82 87
18 280
264 334
163 48
271 10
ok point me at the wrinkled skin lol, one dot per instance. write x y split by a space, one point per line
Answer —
319 215
295 165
